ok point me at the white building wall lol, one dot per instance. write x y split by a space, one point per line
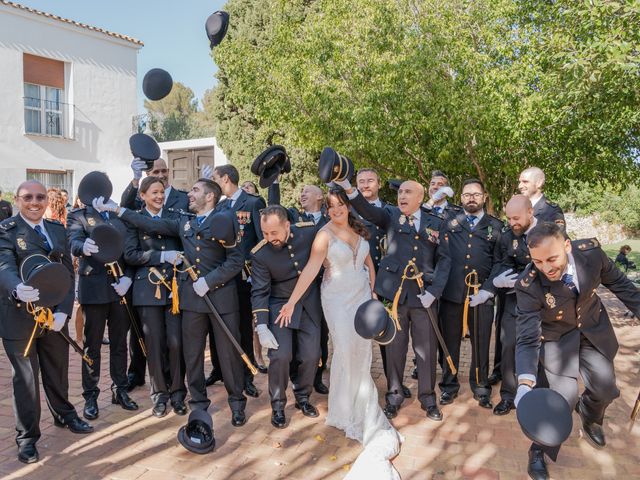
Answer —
100 81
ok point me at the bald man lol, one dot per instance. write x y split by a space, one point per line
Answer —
514 257
412 236
530 184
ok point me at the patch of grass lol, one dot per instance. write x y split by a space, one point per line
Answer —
613 249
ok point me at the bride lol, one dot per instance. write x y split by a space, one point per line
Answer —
348 282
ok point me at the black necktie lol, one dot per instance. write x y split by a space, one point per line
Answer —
471 219
105 216
39 231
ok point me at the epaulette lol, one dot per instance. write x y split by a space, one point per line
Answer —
180 212
506 228
550 203
252 194
528 276
8 224
455 207
77 209
588 244
55 222
259 245
304 224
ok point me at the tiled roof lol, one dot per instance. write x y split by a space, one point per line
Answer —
71 22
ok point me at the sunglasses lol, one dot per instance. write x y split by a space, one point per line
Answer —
28 197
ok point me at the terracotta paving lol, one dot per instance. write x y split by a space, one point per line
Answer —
471 443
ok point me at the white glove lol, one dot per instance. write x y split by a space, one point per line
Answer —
506 279
200 287
206 172
137 166
266 338
522 391
345 184
427 299
101 206
122 286
27 293
89 247
443 192
481 297
59 319
171 256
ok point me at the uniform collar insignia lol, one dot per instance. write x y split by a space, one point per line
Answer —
21 244
187 226
550 299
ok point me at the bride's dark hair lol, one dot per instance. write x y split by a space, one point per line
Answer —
341 196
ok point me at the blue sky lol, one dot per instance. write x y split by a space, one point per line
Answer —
173 33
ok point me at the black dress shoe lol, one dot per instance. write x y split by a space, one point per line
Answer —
133 382
238 418
434 413
159 409
593 431
120 397
390 411
179 407
76 425
262 368
28 453
494 378
537 468
483 400
321 388
307 409
414 373
278 419
447 398
90 411
504 407
250 389
213 377
406 393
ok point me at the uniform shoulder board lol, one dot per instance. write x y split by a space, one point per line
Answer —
182 191
180 211
77 209
550 203
8 224
455 207
55 222
505 228
527 276
259 245
304 224
252 194
588 244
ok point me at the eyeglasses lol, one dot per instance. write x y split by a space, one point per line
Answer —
467 196
28 197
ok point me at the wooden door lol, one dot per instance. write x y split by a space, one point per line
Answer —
185 166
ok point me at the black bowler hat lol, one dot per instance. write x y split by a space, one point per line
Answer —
216 27
372 321
145 148
93 185
157 84
333 166
52 279
394 184
197 435
110 243
545 417
269 164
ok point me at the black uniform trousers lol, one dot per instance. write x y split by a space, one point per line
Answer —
451 323
509 384
137 360
163 339
96 317
324 350
49 354
424 342
600 389
497 354
195 327
307 351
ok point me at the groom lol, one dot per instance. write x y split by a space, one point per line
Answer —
277 262
412 235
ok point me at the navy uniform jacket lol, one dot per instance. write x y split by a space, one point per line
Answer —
426 249
275 273
18 241
5 210
377 238
546 211
550 318
513 253
450 209
211 248
471 249
94 280
177 199
247 209
143 250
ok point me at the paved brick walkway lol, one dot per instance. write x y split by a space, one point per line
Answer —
469 443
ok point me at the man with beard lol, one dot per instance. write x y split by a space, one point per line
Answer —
561 321
530 184
514 257
473 237
439 190
277 262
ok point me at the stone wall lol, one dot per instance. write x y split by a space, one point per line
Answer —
591 226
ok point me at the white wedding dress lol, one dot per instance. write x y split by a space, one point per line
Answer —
353 397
